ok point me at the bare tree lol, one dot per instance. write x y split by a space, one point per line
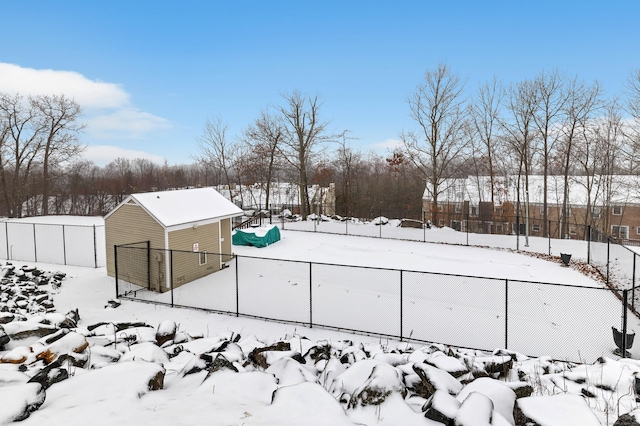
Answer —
485 112
551 99
265 137
304 132
216 150
346 160
580 104
57 117
632 130
522 105
21 142
442 137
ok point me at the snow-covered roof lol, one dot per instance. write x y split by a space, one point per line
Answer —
614 189
172 208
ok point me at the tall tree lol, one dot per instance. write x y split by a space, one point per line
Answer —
442 136
632 130
217 151
304 133
58 121
551 99
485 111
21 140
522 105
580 104
265 137
347 161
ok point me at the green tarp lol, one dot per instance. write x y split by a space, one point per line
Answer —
258 237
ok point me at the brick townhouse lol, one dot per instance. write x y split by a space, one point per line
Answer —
607 203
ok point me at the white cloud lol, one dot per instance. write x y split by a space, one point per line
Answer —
86 92
387 145
108 110
104 154
128 121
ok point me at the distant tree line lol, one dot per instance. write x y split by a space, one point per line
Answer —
553 124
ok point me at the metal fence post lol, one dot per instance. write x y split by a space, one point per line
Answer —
171 274
608 252
424 227
115 261
95 247
506 314
549 235
64 246
380 224
401 304
517 232
310 295
633 284
6 233
35 244
237 287
149 264
625 300
467 228
589 245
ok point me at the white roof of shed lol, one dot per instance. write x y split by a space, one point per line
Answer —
171 208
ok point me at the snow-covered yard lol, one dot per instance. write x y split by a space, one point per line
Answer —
212 372
478 297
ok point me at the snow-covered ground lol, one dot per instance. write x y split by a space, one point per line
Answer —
302 278
289 393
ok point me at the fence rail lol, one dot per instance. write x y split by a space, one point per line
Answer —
563 321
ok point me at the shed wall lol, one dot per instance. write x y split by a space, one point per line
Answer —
186 259
131 224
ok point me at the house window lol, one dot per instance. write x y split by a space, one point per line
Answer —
620 231
638 230
474 210
596 212
458 208
617 210
440 222
536 227
202 258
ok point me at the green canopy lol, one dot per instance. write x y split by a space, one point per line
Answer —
258 237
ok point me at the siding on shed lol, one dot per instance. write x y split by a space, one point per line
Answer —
225 232
130 223
186 267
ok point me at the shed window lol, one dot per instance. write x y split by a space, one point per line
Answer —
202 258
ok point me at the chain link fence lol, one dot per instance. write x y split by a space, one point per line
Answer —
77 245
565 322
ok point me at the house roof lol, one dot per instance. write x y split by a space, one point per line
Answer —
173 208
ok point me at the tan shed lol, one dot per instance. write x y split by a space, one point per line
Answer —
183 234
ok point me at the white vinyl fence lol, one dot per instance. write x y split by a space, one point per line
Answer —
62 244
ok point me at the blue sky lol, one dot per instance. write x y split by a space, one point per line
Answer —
150 73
